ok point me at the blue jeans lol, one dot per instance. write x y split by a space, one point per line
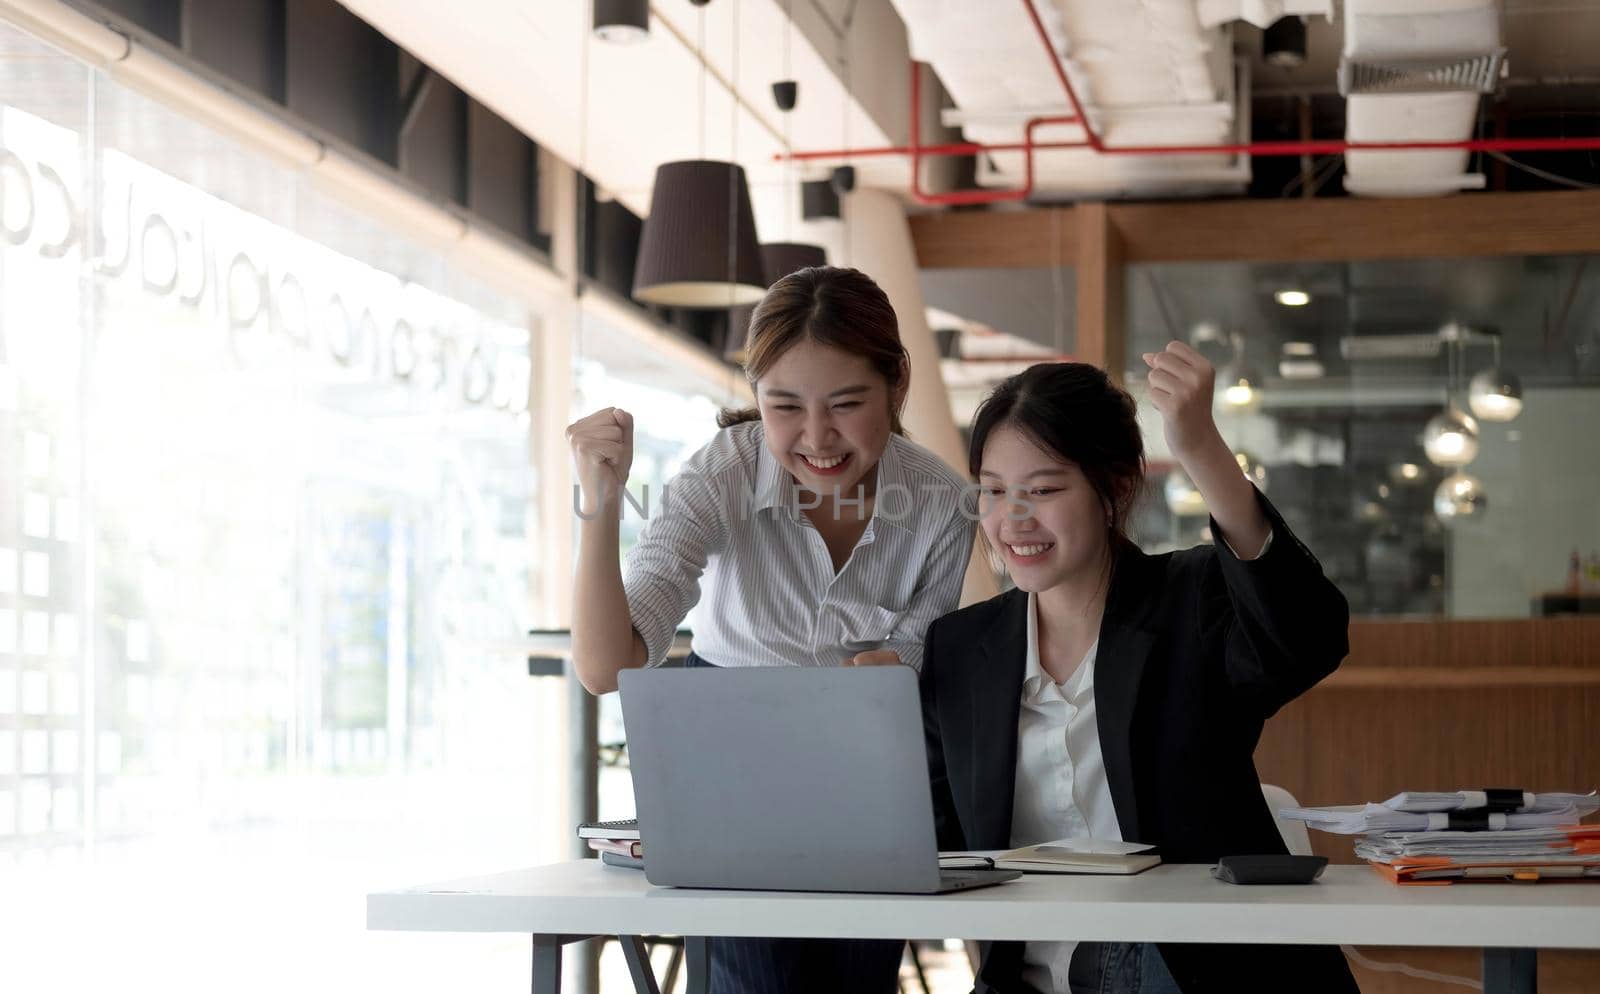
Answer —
1119 968
802 966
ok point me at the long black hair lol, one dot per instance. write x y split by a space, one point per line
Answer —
1073 411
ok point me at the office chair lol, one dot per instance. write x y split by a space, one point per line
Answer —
1295 835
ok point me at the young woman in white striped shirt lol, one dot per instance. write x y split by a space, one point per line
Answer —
808 532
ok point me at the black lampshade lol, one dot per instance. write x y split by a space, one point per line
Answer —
699 245
778 259
624 22
1283 43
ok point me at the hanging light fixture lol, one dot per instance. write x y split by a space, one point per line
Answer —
1495 394
1283 42
1459 497
1241 386
778 259
699 247
1450 438
1240 382
622 22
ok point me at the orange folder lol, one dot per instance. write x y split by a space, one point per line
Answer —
1438 871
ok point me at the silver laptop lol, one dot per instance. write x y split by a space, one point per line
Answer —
776 778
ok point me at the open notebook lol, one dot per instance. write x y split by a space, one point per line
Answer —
1060 856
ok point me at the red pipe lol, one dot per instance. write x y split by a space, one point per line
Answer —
1094 141
952 148
922 196
974 196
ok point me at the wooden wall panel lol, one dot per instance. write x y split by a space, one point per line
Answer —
996 240
1443 704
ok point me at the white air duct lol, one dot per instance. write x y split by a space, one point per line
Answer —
1149 73
1412 71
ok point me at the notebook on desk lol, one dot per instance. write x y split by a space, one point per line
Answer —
1107 856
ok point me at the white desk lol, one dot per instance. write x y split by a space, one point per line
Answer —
1350 905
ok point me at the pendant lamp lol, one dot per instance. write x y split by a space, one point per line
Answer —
778 259
622 22
698 248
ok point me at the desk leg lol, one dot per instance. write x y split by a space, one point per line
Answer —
547 961
697 956
638 957
1510 971
547 964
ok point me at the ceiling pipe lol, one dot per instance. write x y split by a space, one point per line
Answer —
970 196
1093 140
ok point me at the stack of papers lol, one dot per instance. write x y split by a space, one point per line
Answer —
1458 800
1358 818
1423 837
1574 843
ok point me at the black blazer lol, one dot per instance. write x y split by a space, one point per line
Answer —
1197 649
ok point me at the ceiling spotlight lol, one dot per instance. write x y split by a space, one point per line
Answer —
1406 472
1241 387
1450 438
1459 497
1182 496
1283 43
1292 298
785 93
1300 362
1495 395
622 22
818 200
1301 369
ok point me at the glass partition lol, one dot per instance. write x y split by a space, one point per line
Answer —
1418 422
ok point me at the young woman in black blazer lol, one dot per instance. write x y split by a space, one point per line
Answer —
1113 693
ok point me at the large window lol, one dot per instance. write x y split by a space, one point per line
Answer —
675 413
265 562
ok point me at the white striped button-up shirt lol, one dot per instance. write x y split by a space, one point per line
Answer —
732 545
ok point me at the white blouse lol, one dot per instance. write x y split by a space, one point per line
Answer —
1061 788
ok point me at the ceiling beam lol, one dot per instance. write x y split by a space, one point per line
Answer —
1323 230
998 240
1101 335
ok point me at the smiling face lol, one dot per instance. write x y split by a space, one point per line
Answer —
1040 512
826 415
